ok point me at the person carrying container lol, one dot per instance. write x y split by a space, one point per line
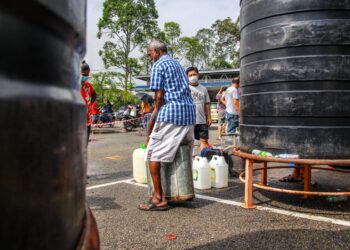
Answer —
172 121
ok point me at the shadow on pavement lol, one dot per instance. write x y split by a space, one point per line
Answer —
102 203
195 204
284 239
314 205
234 191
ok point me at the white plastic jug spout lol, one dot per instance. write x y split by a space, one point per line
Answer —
198 158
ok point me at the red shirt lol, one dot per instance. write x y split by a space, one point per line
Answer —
94 109
87 91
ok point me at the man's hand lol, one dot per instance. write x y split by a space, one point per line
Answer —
208 114
159 99
147 140
209 122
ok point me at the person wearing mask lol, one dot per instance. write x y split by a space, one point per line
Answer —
201 100
171 122
231 101
88 94
221 111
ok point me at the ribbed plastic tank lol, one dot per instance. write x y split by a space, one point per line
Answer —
42 124
295 77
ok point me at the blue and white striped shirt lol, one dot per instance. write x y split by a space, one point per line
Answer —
169 76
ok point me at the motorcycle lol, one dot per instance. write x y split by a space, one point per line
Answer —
131 118
105 117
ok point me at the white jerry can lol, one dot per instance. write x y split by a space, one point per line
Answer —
219 172
139 165
201 173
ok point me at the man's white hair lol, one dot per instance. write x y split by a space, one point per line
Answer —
156 44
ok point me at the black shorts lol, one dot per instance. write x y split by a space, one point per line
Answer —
201 131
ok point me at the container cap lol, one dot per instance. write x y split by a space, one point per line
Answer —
143 146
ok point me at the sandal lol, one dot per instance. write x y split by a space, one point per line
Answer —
151 206
290 178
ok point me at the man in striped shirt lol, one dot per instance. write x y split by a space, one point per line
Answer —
172 121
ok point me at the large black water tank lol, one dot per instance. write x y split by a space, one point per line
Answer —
295 77
42 124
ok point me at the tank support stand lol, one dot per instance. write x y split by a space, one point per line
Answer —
306 164
248 189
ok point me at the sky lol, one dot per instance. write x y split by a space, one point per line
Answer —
192 15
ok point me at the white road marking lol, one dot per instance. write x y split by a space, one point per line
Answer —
238 204
108 184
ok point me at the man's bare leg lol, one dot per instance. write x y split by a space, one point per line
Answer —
157 197
297 173
220 131
203 143
156 179
296 176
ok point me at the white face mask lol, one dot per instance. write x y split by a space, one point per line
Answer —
193 79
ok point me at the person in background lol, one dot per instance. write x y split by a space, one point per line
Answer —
201 100
87 93
94 111
108 107
146 110
296 176
231 101
107 111
172 120
221 111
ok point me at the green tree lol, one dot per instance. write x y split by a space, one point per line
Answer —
107 87
227 36
207 40
172 33
192 50
102 82
220 63
125 24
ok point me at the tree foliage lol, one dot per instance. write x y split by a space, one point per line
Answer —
107 88
192 50
172 37
227 36
125 24
206 39
214 48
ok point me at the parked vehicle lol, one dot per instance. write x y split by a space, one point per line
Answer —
119 114
214 111
131 118
105 119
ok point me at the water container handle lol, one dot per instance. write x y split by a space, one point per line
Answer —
215 157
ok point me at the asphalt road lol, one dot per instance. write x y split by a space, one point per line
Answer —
214 220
